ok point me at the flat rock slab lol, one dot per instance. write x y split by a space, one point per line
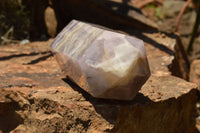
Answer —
36 97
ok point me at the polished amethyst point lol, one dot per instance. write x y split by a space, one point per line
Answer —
104 63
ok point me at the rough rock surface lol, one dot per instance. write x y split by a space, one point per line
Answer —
195 72
174 58
35 97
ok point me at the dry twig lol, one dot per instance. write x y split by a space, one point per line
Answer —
181 14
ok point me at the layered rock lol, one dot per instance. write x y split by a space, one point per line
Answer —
36 97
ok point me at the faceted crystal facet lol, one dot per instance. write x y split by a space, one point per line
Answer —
104 63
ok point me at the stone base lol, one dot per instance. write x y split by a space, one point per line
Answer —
35 97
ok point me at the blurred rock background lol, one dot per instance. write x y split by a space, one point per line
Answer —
41 19
24 20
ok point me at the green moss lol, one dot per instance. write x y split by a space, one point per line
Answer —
159 13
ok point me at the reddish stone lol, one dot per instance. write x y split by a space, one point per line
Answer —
35 96
195 72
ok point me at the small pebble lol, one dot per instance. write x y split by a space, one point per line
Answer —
198 105
25 41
